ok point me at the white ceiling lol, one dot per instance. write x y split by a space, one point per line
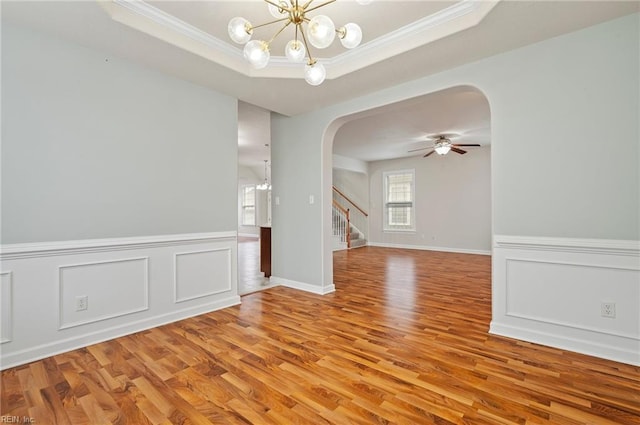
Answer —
394 130
403 40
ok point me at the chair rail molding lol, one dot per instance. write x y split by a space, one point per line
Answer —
593 246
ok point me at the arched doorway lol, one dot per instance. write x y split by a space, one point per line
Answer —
452 202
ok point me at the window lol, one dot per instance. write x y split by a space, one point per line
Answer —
399 195
248 205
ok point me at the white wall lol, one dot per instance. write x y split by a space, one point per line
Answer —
350 164
567 160
354 185
452 204
556 107
96 147
298 229
115 186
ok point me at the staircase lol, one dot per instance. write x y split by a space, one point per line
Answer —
347 224
356 238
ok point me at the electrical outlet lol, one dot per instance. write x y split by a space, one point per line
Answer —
608 309
82 303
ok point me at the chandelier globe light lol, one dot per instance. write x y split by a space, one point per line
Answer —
257 53
239 30
351 36
315 73
295 51
319 31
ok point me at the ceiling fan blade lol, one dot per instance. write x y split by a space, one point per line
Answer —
473 144
456 150
428 153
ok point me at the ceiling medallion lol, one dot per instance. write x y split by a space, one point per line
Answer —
320 32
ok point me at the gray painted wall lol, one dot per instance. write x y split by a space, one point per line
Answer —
453 200
452 204
296 234
96 147
565 116
556 107
354 185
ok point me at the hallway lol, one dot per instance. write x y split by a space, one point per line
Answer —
250 278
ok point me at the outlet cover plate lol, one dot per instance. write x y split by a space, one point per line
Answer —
608 309
82 303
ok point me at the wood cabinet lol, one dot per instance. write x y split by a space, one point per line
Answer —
265 251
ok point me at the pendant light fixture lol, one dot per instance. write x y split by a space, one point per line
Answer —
266 185
320 32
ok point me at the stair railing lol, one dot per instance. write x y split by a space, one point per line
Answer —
341 223
358 217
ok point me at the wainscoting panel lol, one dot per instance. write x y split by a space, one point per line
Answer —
527 280
6 310
130 284
551 290
202 273
111 289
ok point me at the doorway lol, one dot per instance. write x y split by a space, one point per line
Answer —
451 209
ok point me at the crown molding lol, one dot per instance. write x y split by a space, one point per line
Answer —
455 18
159 24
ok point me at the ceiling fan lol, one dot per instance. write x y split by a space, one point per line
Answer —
442 145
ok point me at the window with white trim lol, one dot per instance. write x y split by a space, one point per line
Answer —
248 205
399 195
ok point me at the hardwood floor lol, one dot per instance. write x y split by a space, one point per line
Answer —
402 340
250 278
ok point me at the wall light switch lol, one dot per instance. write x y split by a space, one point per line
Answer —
277 200
311 199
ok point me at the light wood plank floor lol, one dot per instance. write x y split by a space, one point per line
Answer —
250 278
402 340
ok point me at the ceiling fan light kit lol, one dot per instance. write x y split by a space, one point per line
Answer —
442 145
320 32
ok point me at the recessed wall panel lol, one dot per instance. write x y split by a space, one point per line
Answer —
570 294
110 289
6 303
202 273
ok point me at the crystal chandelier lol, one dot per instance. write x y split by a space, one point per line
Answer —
320 32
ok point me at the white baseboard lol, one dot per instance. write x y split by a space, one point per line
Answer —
430 248
550 290
131 284
50 349
626 351
320 290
